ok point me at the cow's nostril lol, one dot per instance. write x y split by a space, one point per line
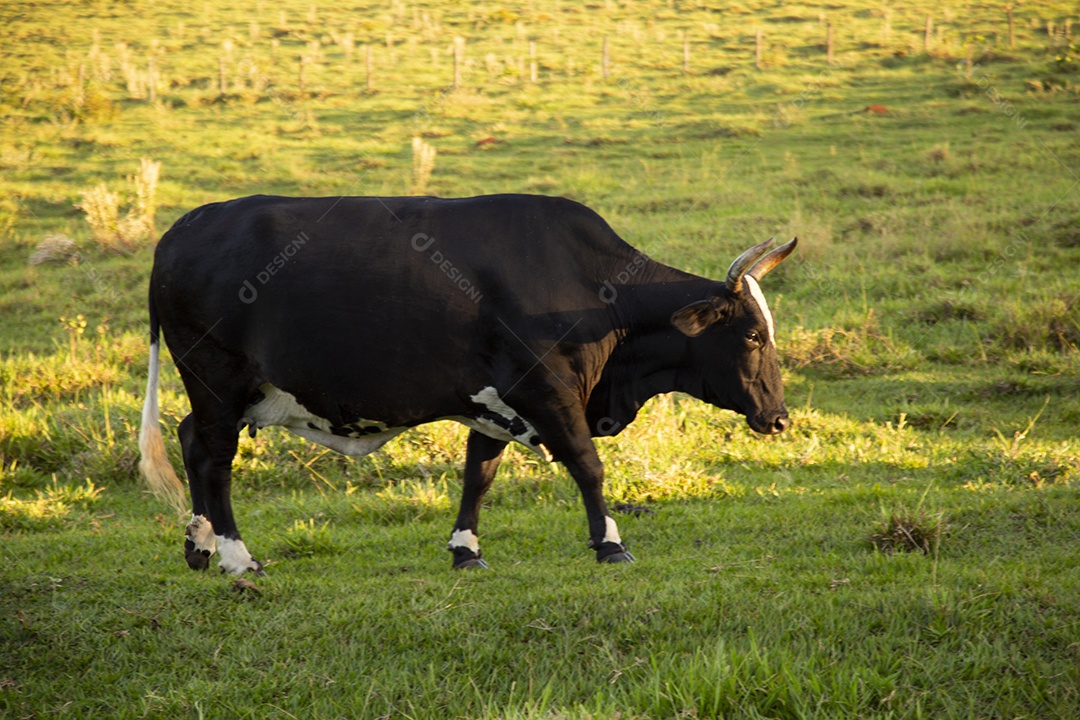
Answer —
781 423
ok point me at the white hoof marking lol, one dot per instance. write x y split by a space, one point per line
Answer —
235 558
611 534
201 533
465 539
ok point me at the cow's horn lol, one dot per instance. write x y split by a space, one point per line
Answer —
767 263
743 263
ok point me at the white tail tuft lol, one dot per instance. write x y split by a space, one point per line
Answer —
154 464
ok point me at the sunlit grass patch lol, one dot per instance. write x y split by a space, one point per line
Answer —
845 351
404 501
308 538
48 508
1050 323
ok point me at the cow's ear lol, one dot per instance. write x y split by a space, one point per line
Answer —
696 318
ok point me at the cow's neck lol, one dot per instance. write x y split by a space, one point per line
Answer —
650 356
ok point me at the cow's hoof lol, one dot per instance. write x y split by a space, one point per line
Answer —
254 567
465 558
197 559
249 566
610 552
472 563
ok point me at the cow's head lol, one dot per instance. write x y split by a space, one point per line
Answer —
733 350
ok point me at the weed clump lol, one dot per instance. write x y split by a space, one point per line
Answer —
54 248
1053 324
306 539
102 210
860 349
904 531
939 154
948 310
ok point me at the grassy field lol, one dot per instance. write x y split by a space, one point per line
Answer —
929 327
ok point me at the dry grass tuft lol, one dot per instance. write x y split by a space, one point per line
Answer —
54 248
423 165
939 153
905 531
102 210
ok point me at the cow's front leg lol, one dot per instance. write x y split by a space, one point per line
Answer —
482 456
588 472
575 450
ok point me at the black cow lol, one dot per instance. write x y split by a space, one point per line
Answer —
349 320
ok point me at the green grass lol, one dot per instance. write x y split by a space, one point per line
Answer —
928 327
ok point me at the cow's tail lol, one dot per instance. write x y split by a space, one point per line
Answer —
154 463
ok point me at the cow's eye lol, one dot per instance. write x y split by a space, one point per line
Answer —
753 338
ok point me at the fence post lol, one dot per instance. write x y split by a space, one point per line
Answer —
151 83
604 59
757 49
368 63
459 45
1012 29
929 33
686 52
533 68
829 43
80 92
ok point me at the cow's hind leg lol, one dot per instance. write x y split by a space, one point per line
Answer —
199 541
208 454
482 458
219 388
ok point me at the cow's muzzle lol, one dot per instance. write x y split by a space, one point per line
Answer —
767 425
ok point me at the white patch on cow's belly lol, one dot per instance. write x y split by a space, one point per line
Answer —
489 398
281 408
